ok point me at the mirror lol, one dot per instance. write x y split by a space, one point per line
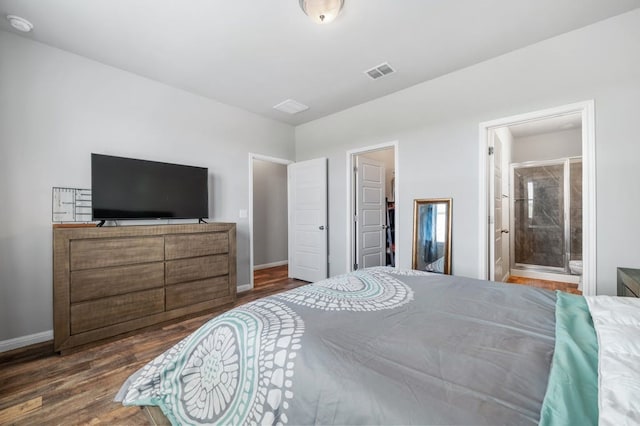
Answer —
432 235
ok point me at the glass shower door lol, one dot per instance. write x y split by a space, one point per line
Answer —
538 216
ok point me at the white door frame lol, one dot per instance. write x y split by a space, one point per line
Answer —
351 154
252 157
587 111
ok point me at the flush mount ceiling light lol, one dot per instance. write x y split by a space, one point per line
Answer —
322 11
19 23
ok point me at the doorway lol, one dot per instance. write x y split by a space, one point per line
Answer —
268 216
537 196
372 197
300 203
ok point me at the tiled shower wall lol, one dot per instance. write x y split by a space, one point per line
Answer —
539 228
575 209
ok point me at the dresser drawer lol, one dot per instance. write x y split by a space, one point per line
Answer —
97 283
100 253
192 245
184 294
99 313
196 268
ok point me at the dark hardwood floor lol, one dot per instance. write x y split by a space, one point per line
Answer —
270 276
38 387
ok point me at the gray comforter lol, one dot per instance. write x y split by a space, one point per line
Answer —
377 346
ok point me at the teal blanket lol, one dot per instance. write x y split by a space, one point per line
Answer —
572 391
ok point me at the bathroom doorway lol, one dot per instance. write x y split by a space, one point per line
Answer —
540 185
539 203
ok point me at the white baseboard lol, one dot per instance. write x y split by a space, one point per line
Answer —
244 287
22 341
270 265
573 279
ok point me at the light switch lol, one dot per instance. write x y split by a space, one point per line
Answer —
242 214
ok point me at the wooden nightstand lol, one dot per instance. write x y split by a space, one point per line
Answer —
629 282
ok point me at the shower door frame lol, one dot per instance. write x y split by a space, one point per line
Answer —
566 200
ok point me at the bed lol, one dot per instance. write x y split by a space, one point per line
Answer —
391 346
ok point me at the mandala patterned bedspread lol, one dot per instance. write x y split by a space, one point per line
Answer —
377 346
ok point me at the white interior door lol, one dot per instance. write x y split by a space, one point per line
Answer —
505 213
308 219
498 270
370 216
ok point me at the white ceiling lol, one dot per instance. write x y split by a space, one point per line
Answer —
254 54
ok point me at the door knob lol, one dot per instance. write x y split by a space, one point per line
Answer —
321 227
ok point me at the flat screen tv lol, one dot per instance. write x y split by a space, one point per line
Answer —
127 188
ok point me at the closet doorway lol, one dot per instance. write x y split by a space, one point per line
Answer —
372 197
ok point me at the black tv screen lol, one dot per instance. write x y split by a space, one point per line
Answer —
126 188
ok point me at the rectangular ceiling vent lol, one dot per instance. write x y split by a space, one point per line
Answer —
291 107
380 71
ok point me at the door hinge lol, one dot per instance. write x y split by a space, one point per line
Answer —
490 150
355 217
355 266
355 169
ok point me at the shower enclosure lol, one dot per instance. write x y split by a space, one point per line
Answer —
546 215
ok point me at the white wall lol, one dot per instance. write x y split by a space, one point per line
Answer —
55 109
547 146
270 219
436 124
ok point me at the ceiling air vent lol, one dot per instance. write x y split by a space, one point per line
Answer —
380 71
291 107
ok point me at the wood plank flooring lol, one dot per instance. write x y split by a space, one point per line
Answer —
79 388
39 387
268 276
549 285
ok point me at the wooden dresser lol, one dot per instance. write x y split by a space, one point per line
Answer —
113 280
629 282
